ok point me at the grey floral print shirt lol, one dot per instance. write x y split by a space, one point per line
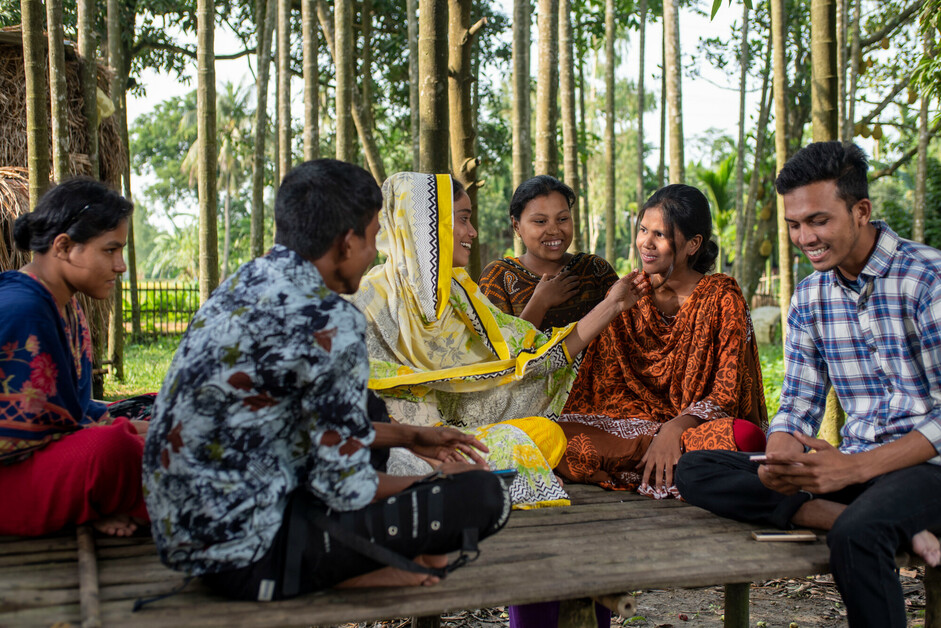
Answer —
266 393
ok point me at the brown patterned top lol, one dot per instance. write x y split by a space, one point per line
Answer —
509 285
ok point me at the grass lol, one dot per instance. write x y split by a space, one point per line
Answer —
146 363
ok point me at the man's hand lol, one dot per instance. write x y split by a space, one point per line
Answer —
447 444
780 445
822 471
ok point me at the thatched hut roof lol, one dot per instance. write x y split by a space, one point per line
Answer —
112 156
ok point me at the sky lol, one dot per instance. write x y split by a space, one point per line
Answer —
709 101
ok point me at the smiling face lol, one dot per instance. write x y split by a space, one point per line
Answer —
654 246
464 232
545 226
93 266
831 236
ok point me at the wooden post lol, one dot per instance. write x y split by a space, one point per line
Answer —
932 597
736 605
426 622
88 578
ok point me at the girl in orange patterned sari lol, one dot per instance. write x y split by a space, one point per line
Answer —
679 372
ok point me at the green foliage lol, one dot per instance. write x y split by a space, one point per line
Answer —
772 374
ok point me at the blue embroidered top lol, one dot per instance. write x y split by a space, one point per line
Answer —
266 393
877 341
45 368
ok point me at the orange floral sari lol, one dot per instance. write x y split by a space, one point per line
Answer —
646 368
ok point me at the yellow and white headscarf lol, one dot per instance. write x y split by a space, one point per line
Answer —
434 338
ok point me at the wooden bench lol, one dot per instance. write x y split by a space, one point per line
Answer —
607 542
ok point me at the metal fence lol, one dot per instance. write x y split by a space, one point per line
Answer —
166 307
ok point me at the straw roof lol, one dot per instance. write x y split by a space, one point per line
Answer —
112 156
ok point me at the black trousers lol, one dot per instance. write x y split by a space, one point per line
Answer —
427 518
881 518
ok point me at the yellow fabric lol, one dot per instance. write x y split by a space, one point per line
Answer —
548 436
431 330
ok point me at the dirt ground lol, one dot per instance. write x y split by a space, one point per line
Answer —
811 602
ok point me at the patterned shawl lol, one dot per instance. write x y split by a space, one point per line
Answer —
434 337
704 362
45 368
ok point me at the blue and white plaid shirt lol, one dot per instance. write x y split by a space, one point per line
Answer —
876 340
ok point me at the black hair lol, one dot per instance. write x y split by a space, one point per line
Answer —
320 200
686 208
81 208
541 185
844 163
457 188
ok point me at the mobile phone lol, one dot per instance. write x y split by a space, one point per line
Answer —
783 535
506 475
758 457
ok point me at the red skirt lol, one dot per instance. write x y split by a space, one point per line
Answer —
84 476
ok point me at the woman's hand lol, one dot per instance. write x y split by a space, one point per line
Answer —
664 452
555 290
629 289
447 444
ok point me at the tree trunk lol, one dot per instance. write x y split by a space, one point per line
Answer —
87 46
569 130
753 257
921 175
582 136
265 14
641 107
522 112
841 18
37 124
206 142
118 85
311 80
662 165
738 266
547 88
610 220
671 41
343 61
824 92
362 107
779 90
365 71
365 135
433 71
284 86
58 96
463 135
855 56
412 9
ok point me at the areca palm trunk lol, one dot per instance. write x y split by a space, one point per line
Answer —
671 42
433 100
87 46
206 141
641 106
311 80
284 86
738 266
265 14
779 91
824 88
37 126
343 61
609 156
569 130
58 95
414 117
547 88
522 141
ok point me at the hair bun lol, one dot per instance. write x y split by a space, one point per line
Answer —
23 232
707 259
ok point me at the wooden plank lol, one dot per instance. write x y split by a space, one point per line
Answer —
932 597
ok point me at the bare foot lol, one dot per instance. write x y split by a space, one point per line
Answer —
393 577
926 545
116 525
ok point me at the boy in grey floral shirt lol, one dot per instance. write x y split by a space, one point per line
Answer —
261 434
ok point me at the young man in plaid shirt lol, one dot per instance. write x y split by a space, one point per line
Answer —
867 323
